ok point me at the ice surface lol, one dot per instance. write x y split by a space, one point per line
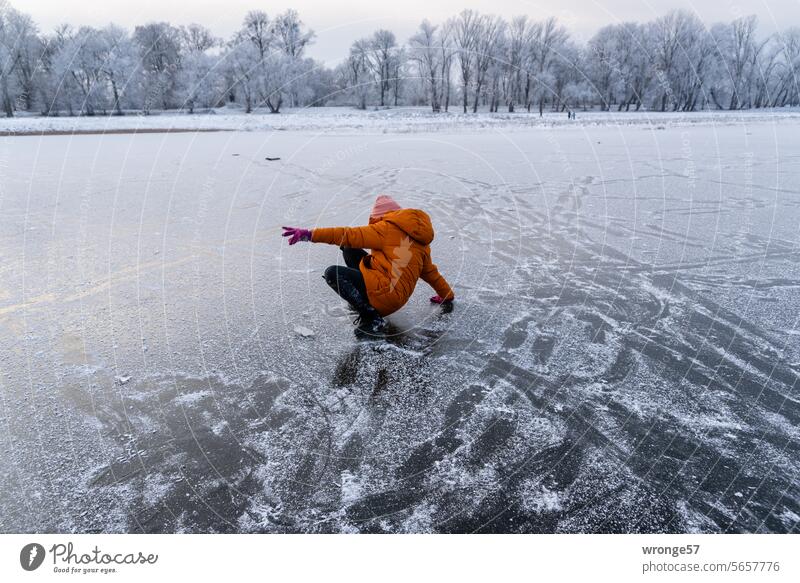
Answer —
303 331
622 354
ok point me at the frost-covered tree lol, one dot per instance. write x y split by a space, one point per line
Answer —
119 65
199 79
28 56
738 50
698 56
159 46
20 54
359 74
519 35
266 60
243 64
672 34
399 72
79 67
283 73
634 48
429 51
50 83
290 35
673 62
568 79
249 51
602 66
382 55
447 55
488 48
290 70
786 88
465 29
547 43
319 84
8 62
765 72
197 38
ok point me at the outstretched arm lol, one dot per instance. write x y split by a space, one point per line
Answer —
368 237
430 275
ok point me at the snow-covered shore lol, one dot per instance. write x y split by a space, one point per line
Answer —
400 120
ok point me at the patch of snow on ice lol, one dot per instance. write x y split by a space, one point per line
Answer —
304 332
192 398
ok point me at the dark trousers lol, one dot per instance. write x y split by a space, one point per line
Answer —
348 281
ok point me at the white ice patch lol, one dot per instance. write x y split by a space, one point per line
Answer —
789 518
537 498
157 487
192 398
351 487
304 332
219 427
421 520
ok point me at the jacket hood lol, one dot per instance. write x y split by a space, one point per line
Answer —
414 222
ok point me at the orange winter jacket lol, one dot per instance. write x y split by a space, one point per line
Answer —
400 255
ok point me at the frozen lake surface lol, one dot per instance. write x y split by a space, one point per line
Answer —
623 354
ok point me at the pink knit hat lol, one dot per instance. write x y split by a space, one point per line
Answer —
383 205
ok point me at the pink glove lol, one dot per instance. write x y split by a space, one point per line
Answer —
440 300
296 234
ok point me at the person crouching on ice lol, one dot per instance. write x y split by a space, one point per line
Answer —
379 283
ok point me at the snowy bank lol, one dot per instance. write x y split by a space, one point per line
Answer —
401 120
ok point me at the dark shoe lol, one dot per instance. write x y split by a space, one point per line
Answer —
369 325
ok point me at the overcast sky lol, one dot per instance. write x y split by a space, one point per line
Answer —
338 22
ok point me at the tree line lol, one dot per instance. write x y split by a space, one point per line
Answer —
470 62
